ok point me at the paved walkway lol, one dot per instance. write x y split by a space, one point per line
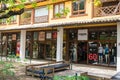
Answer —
94 70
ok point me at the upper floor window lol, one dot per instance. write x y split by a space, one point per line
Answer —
78 7
25 18
58 10
41 14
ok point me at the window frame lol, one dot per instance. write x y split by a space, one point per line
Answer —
54 14
79 12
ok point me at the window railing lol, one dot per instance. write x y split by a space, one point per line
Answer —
41 19
106 11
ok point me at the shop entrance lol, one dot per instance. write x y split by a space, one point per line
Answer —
82 52
41 50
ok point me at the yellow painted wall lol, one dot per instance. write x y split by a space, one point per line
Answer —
69 17
68 3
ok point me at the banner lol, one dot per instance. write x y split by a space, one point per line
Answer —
83 34
41 36
13 36
48 35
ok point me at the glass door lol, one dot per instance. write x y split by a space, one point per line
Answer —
41 50
48 50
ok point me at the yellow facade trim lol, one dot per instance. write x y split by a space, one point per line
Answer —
48 2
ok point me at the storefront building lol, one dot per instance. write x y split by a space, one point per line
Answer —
85 35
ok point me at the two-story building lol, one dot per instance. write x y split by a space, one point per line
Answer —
86 35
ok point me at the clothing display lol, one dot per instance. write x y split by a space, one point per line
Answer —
106 53
100 53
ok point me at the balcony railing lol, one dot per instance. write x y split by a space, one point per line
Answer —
107 11
41 19
25 21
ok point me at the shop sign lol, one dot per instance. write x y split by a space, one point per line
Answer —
48 35
41 36
54 35
13 36
83 34
92 57
4 38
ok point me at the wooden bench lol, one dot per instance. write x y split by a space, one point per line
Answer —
46 69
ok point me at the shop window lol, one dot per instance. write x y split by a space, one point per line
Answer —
93 35
35 34
4 45
73 51
92 52
78 7
58 10
72 35
28 45
111 35
35 49
113 54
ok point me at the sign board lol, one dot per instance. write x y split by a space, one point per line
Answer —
13 36
41 36
83 34
48 35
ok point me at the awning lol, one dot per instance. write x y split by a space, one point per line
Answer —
67 23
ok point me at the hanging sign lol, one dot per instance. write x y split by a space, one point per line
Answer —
54 35
41 36
83 34
13 36
48 35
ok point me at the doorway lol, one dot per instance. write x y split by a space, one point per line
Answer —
41 50
82 52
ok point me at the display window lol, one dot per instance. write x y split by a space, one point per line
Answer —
72 34
102 47
94 46
92 52
35 35
93 35
28 45
73 51
35 49
4 45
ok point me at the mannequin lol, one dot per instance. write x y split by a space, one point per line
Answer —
114 53
74 53
106 53
100 52
35 50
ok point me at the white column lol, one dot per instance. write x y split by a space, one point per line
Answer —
22 44
59 53
118 46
